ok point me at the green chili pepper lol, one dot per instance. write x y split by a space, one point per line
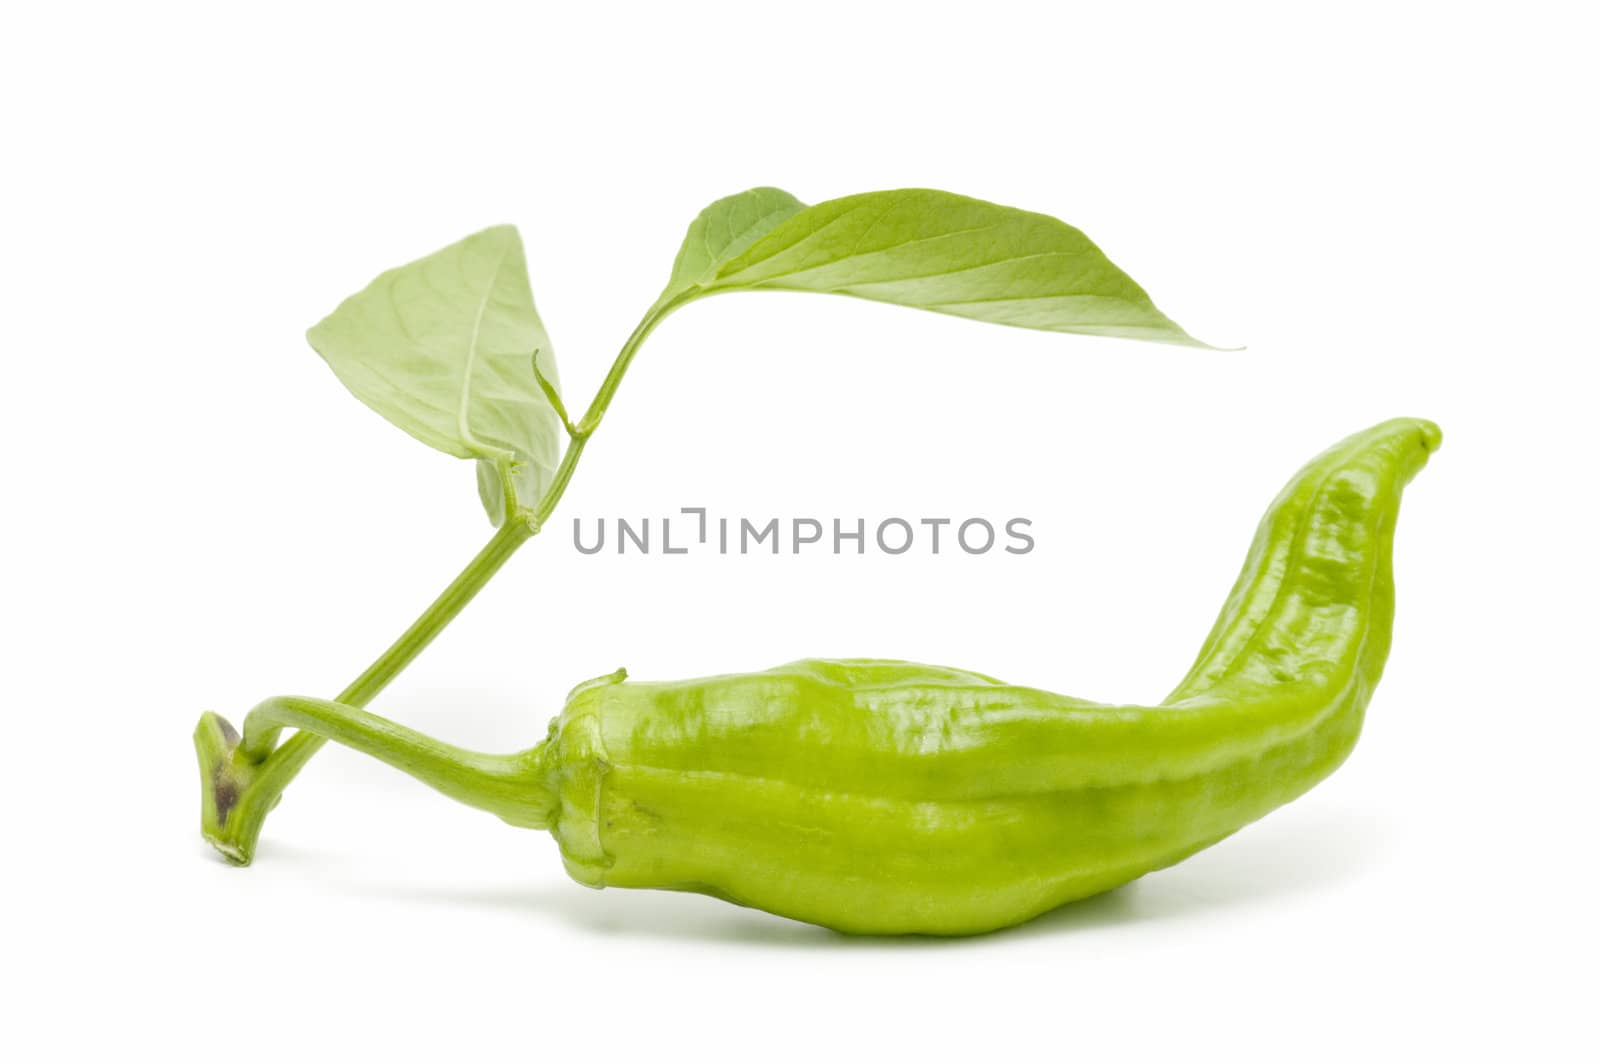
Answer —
886 797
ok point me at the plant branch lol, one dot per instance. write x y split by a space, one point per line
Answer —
608 387
239 791
241 796
585 427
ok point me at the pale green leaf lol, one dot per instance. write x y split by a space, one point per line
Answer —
725 229
444 348
953 255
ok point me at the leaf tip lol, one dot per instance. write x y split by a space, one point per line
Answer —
1191 341
504 232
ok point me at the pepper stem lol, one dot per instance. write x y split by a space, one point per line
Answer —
243 777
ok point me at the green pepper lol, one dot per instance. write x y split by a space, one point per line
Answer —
885 797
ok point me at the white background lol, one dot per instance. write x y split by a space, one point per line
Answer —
1390 204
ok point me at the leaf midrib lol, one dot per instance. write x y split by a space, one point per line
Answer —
465 400
798 271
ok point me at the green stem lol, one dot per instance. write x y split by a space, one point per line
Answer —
585 427
238 796
509 786
444 609
239 791
592 417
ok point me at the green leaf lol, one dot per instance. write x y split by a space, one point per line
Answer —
444 348
953 255
722 231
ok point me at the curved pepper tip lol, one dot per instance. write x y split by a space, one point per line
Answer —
1432 436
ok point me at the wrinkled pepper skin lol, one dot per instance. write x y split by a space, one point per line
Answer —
882 797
